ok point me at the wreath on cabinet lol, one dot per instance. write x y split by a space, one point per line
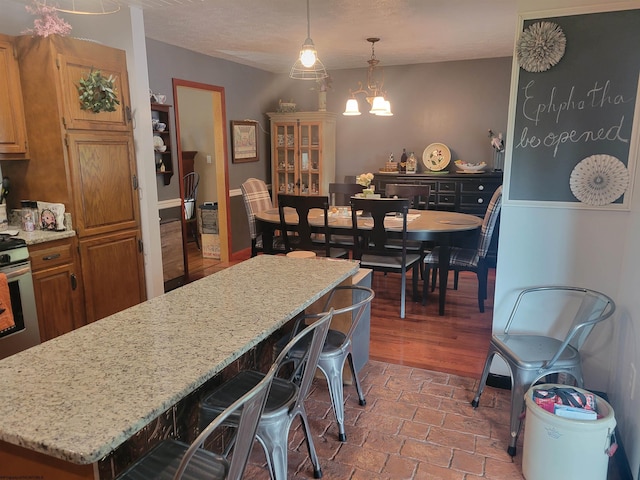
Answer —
98 93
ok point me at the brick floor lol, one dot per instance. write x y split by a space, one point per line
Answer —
417 424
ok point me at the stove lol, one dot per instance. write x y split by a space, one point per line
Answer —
15 265
12 250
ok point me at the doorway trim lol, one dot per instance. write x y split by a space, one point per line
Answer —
220 160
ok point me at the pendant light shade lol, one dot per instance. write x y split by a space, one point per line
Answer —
308 66
352 107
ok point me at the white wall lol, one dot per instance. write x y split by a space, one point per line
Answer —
596 249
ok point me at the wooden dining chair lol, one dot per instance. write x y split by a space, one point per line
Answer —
373 251
417 194
191 181
341 193
303 235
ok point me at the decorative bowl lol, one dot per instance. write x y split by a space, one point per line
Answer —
470 167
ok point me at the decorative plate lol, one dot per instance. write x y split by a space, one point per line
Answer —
599 180
436 157
157 141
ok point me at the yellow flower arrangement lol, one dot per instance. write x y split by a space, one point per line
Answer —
364 179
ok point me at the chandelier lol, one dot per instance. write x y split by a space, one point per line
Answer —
374 93
308 66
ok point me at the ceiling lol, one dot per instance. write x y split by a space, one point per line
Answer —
268 34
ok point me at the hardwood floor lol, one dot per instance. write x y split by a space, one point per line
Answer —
455 343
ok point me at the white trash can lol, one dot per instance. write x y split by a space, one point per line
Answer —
563 448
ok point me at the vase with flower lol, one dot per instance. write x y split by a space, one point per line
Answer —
365 180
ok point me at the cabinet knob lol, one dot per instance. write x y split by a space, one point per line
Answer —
481 187
480 200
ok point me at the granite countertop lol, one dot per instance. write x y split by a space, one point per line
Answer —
81 395
42 236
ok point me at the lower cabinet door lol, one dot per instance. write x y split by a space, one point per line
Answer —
58 301
113 273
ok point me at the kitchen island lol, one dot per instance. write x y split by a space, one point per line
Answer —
68 403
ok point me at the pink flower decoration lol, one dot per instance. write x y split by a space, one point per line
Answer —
49 22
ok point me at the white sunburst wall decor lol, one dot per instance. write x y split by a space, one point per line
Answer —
540 47
599 180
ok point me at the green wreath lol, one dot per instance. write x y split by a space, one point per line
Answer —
98 93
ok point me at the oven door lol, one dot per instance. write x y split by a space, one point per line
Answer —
25 333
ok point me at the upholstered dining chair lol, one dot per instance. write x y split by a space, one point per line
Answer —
531 356
467 259
257 199
302 235
285 400
374 251
175 460
190 182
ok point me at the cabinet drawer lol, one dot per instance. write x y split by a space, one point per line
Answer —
446 199
479 186
475 200
446 186
50 256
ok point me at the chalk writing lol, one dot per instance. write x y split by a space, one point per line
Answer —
554 105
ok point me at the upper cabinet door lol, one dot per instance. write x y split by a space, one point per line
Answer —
73 68
13 137
103 176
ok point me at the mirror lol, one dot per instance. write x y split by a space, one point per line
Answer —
202 148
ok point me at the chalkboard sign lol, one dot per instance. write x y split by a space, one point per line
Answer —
573 124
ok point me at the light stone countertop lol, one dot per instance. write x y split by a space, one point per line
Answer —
81 395
42 236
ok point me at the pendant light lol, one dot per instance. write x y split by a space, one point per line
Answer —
308 66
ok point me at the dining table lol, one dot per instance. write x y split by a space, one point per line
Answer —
438 226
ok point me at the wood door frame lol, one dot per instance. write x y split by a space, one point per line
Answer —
221 164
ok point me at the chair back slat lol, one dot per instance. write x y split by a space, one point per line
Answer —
377 239
418 195
190 184
303 204
341 193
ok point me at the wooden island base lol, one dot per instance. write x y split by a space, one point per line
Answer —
19 463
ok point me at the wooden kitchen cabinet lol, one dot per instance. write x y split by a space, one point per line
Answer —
109 270
13 130
103 170
57 287
303 153
84 160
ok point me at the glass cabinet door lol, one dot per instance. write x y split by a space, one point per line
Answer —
310 159
286 159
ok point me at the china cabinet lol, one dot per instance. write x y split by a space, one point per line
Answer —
84 160
160 118
13 136
302 152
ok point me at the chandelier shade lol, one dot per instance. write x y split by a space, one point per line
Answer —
308 66
84 7
374 92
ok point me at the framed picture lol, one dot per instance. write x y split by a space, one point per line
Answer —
245 141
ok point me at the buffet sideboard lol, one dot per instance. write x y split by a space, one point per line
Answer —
457 192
